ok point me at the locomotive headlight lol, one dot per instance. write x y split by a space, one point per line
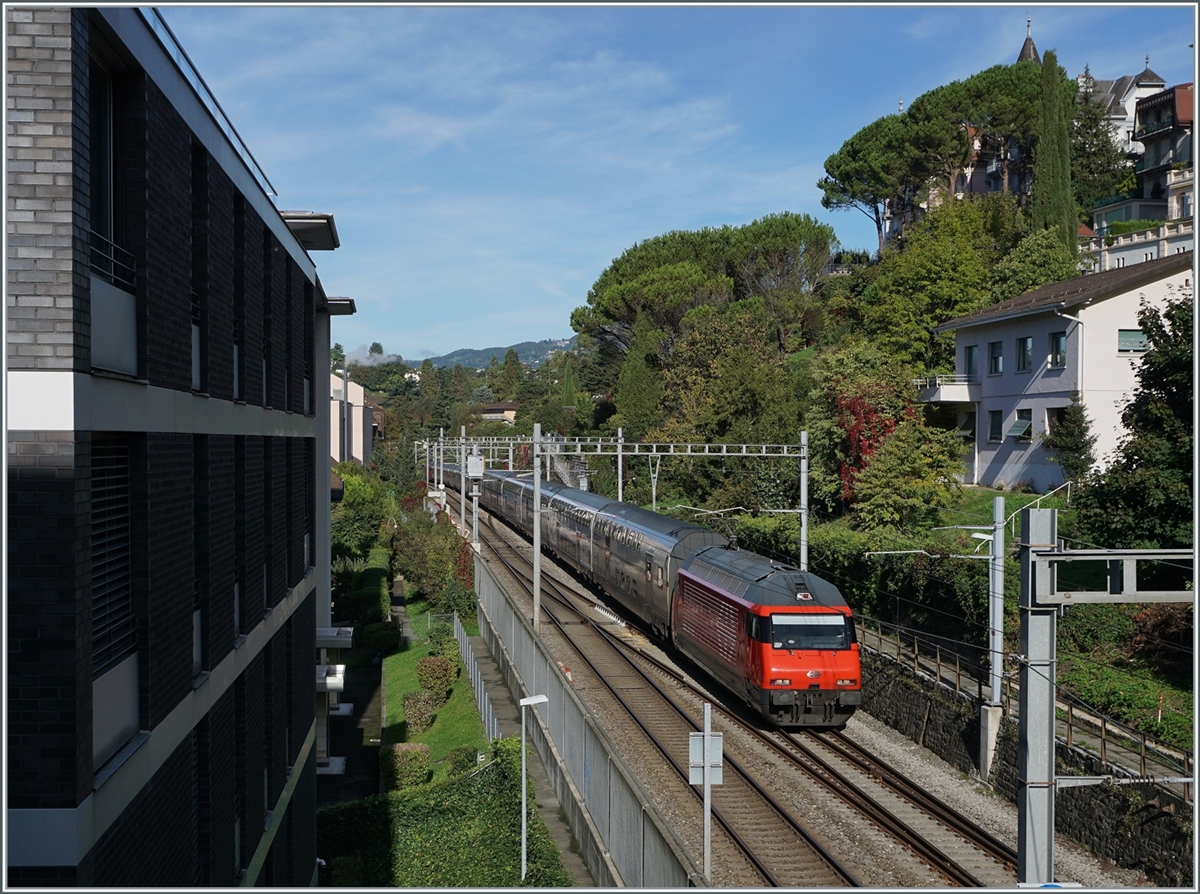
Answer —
847 682
781 682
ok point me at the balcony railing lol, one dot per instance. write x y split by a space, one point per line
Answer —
113 263
1148 129
1179 175
189 71
940 381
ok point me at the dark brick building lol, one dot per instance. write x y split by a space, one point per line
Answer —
167 474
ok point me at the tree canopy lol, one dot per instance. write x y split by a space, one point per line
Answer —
1143 498
1052 206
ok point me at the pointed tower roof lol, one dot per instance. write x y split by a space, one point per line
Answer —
1028 50
1148 78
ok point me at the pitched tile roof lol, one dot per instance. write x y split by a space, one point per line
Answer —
1072 292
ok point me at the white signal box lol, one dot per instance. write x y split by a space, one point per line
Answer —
716 750
474 466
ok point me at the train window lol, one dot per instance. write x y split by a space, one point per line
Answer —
809 631
754 627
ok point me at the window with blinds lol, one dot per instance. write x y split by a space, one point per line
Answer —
114 627
1132 341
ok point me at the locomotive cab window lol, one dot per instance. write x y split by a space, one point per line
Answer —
810 632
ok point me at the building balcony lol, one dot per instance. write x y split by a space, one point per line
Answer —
949 389
331 677
1153 127
1179 177
335 637
1166 231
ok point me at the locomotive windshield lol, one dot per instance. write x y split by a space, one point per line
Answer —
811 631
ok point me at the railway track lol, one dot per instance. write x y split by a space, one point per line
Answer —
759 835
662 701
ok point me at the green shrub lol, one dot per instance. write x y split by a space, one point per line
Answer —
437 675
462 760
381 636
442 641
1121 227
419 708
458 597
1084 627
404 764
347 871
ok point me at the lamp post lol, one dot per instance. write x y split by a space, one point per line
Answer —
531 700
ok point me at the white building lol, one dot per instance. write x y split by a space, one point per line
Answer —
351 422
1121 96
1170 237
1018 363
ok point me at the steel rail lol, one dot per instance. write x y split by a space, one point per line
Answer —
748 850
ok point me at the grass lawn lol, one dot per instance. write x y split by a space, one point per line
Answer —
974 505
456 723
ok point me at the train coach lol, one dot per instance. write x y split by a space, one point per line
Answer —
779 638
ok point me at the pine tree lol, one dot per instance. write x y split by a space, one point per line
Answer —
1072 439
1053 206
1097 163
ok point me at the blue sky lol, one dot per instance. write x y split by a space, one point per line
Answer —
485 164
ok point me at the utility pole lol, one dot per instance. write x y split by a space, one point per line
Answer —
620 470
441 459
475 469
1035 727
537 528
462 479
992 713
1041 602
804 501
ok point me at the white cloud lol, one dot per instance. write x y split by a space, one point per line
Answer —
485 164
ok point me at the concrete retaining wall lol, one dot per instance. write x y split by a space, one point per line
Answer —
1134 826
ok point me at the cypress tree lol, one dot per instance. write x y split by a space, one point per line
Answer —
1053 206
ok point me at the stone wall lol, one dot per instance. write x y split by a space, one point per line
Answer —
1140 827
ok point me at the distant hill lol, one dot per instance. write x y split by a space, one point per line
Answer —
532 352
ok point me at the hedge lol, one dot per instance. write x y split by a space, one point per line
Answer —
465 832
371 599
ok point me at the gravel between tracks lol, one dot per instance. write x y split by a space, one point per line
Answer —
981 805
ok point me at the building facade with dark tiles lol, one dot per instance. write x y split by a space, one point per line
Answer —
167 476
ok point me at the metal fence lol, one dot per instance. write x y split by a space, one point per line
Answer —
1078 725
624 841
491 726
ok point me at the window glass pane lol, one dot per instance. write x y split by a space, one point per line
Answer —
967 429
972 360
1024 354
809 632
995 424
1131 340
996 358
1058 349
1019 428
